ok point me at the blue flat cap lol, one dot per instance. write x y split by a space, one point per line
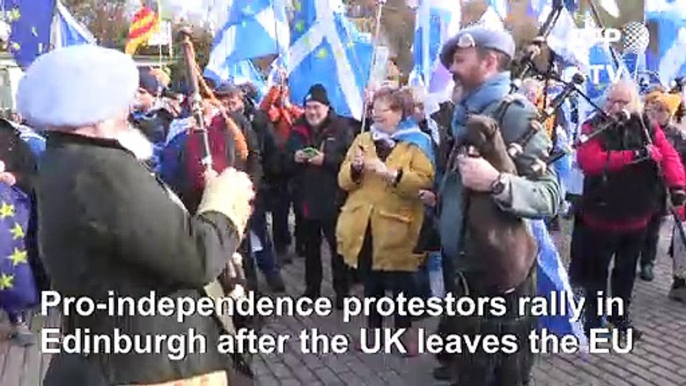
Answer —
478 36
225 89
77 86
149 83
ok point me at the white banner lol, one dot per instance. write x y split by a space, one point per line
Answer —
163 36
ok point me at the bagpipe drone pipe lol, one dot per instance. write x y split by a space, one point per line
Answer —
232 282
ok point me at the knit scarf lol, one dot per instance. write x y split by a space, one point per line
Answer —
408 131
477 100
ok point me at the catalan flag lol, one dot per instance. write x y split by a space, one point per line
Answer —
144 24
17 284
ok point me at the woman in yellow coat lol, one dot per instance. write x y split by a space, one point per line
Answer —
379 224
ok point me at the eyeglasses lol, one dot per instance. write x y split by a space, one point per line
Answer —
466 41
380 111
620 102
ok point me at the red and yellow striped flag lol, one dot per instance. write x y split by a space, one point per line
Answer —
144 24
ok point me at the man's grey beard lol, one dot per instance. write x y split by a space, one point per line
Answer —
136 142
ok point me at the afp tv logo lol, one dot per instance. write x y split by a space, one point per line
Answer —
599 35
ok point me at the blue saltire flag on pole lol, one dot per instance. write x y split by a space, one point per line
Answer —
437 21
67 31
30 21
552 280
17 285
327 48
249 29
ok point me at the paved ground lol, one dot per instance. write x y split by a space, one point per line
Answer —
658 360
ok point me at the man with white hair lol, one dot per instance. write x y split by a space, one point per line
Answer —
108 228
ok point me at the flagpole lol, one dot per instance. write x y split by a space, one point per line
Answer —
159 27
377 32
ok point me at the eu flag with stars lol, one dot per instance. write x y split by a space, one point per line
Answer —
31 21
17 284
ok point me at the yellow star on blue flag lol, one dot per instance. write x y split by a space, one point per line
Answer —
6 210
17 285
18 256
6 281
30 22
17 232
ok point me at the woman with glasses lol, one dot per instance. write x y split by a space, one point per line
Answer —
379 225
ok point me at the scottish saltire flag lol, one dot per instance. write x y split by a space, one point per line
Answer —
248 29
436 21
67 31
565 40
552 279
671 52
490 19
328 49
30 21
661 9
500 7
536 7
17 285
240 73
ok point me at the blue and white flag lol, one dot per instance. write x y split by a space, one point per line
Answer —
243 72
500 7
249 29
565 39
671 52
490 19
67 31
30 21
437 21
328 49
665 9
552 280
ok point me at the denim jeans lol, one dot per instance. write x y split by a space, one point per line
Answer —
266 258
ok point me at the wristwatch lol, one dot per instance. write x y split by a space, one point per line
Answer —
498 186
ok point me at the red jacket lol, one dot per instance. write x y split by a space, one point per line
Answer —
593 159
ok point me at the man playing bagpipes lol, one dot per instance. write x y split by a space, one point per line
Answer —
660 108
232 143
479 59
627 167
283 114
110 227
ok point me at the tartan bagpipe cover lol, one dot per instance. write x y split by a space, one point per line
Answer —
17 284
552 279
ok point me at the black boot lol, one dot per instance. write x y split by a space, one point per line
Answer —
624 325
275 283
647 272
678 290
441 373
